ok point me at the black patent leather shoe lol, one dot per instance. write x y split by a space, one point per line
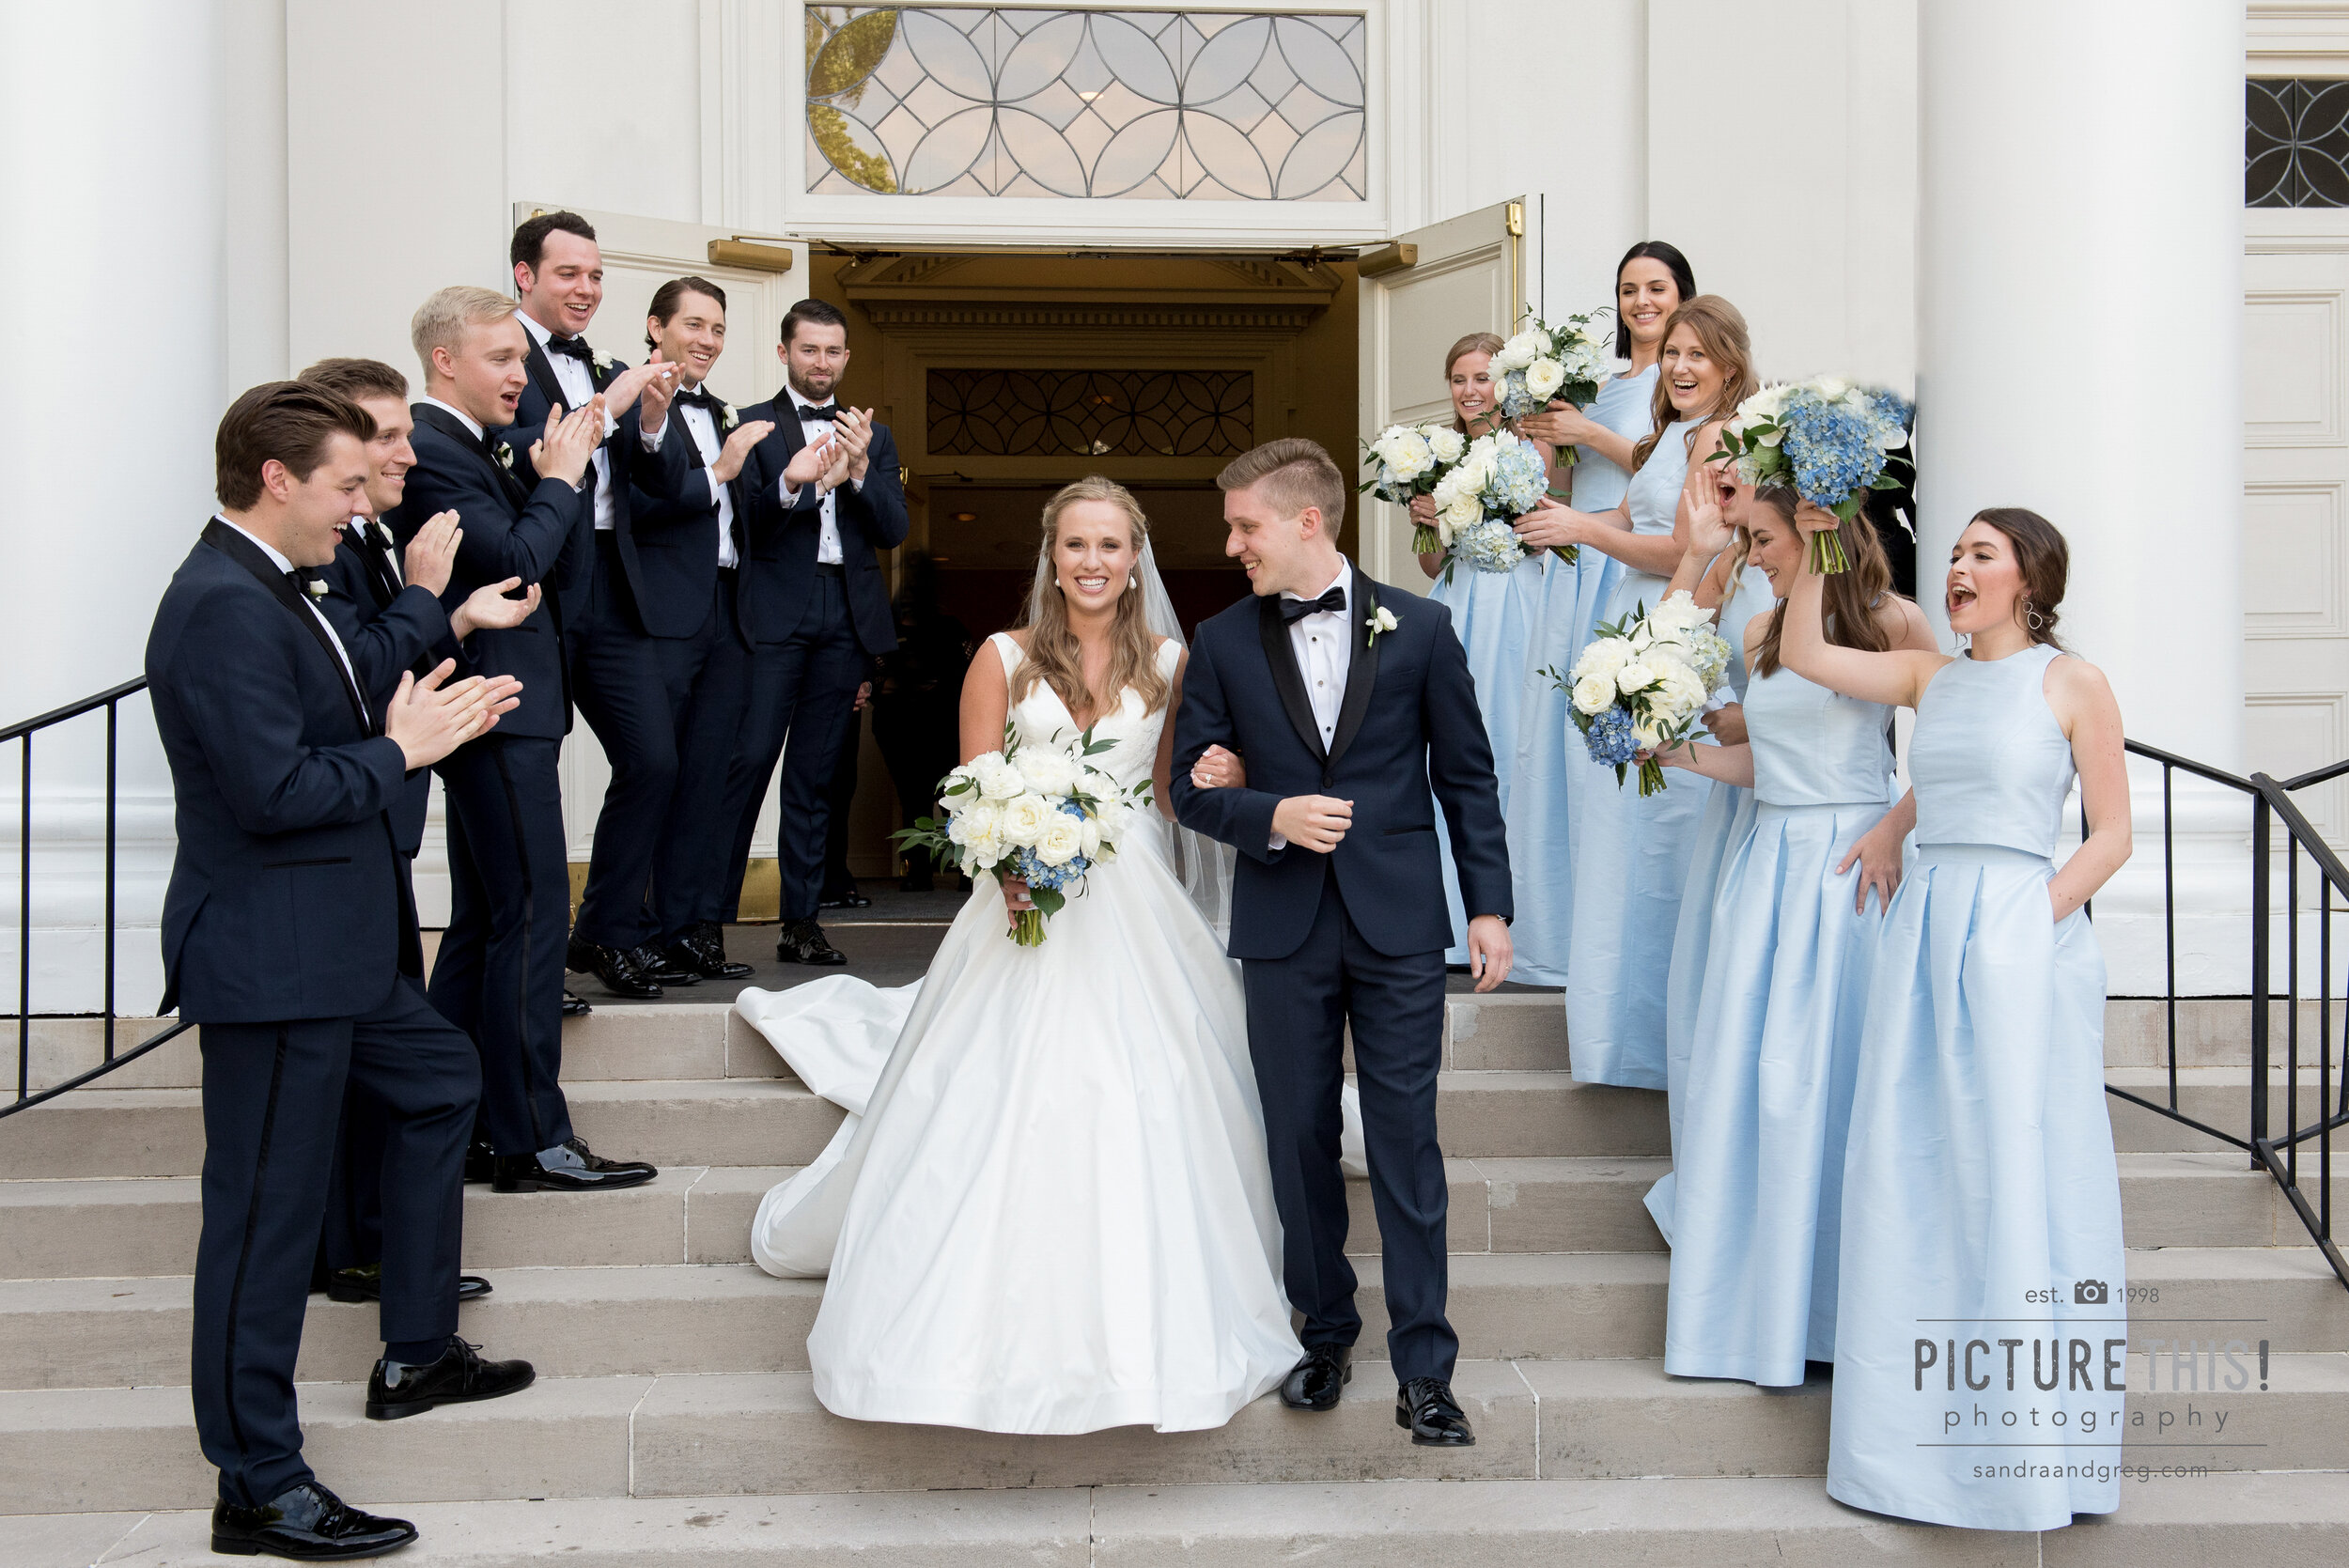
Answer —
460 1377
1425 1409
308 1524
616 967
575 1006
568 1168
481 1160
802 941
654 964
1313 1382
364 1282
702 952
849 897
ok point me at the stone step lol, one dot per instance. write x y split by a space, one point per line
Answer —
766 1434
2277 1520
148 1226
704 1318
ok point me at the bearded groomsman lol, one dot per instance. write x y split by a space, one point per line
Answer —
498 974
824 495
289 936
616 677
688 577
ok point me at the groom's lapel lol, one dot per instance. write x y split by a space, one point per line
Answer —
1362 672
1281 654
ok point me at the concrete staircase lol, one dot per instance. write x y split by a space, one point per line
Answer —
674 1420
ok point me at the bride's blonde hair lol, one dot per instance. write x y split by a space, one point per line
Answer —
1054 655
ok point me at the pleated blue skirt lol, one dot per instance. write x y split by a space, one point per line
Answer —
1764 1103
1981 1183
1498 617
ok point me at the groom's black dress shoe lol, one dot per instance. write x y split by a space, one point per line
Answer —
458 1378
481 1160
1424 1405
654 964
703 951
802 941
308 1524
1313 1382
575 1007
570 1167
616 967
364 1282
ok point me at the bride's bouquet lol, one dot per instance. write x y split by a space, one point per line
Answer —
1568 361
1044 815
1499 479
1406 461
1828 439
1642 683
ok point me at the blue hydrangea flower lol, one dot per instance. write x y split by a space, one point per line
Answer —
1608 738
1489 546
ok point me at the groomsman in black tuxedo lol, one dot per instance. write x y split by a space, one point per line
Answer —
498 975
289 937
825 495
687 574
615 621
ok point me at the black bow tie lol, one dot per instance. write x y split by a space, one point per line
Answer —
301 577
1296 610
575 347
694 398
828 413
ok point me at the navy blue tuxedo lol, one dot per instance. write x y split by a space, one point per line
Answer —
1356 936
783 542
289 934
390 628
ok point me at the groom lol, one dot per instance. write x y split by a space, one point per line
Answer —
1351 704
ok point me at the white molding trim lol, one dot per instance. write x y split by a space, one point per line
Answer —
2297 37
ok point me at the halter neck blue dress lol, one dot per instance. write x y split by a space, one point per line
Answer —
1549 761
1981 1180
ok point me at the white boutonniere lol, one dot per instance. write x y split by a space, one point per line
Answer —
1382 620
729 419
602 361
505 458
316 586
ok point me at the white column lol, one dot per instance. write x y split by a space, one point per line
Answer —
110 271
2079 318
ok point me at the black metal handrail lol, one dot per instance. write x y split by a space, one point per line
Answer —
23 733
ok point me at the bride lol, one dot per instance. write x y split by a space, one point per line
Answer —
1054 1213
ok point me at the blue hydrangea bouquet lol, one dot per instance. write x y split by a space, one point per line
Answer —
1542 363
1828 439
1405 462
1642 683
1499 479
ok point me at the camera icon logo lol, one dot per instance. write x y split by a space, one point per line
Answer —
2089 1292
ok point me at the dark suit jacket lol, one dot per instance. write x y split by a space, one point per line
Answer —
780 566
673 540
388 627
1407 725
288 897
513 527
658 474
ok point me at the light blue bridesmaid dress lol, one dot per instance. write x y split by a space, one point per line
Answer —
1630 854
1549 749
1981 1178
1766 1101
1498 618
1728 817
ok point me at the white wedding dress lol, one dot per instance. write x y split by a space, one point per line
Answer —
1049 1211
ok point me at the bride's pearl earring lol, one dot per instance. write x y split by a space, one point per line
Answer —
1132 582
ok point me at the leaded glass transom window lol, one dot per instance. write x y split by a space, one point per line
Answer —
1006 101
2295 138
1095 413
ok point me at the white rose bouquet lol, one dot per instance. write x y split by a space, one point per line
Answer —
1406 461
1642 682
1499 479
1567 363
1041 813
1828 438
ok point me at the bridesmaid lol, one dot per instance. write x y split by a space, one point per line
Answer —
1981 1179
1631 854
1764 1105
1650 283
1497 614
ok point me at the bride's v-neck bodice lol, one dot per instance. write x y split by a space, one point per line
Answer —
1040 719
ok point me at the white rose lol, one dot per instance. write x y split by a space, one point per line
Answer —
1062 837
955 801
1047 772
1604 656
1832 388
1465 512
1766 404
1522 350
1543 377
1110 823
998 779
1682 692
1649 735
1595 693
984 850
1089 839
978 819
1634 677
1446 445
1025 818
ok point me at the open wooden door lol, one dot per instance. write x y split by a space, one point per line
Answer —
1420 295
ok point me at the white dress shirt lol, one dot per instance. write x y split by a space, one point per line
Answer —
702 426
828 526
278 559
579 387
1324 645
468 421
